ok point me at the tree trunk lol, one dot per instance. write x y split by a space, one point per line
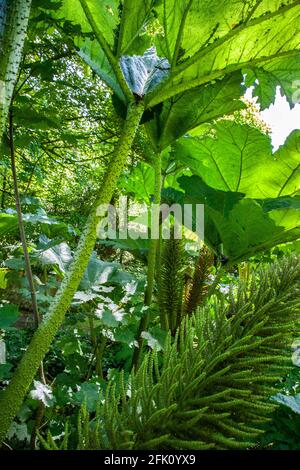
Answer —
14 16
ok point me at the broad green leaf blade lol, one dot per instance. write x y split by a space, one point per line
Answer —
292 402
136 15
98 272
192 24
138 247
8 315
253 38
243 226
284 72
188 24
8 223
105 15
59 255
284 174
89 394
249 230
3 279
140 182
195 107
14 16
239 158
93 55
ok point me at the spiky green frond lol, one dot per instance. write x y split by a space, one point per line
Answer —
171 283
214 386
199 286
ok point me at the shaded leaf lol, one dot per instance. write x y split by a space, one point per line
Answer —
8 315
195 107
292 402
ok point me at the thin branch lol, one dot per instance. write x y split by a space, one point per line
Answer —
32 173
22 232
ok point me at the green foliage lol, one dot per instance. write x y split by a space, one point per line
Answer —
212 388
171 283
239 158
195 107
197 288
209 41
265 79
172 67
8 315
283 431
242 225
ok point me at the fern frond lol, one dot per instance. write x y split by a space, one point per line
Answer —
171 283
198 289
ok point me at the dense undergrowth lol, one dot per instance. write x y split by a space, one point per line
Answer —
148 340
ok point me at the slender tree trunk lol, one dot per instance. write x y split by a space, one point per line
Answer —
14 394
14 16
20 222
3 189
152 257
28 270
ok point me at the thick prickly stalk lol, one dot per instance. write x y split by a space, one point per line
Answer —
14 394
14 16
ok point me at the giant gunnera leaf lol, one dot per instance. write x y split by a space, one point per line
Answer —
239 158
243 226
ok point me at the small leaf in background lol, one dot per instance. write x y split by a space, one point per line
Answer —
89 393
16 264
126 336
155 338
292 402
129 289
70 345
110 314
83 297
98 272
59 255
8 223
8 315
19 431
42 393
2 351
5 371
3 280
